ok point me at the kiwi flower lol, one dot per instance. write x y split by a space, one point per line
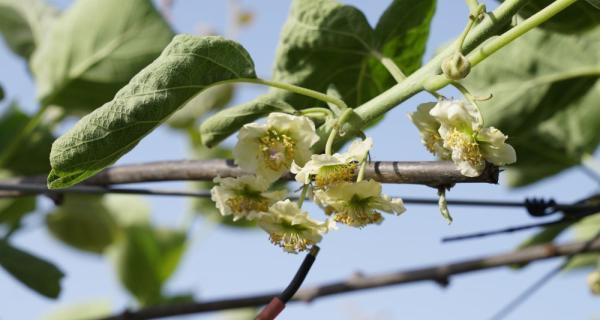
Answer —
357 204
327 170
244 197
461 136
291 228
269 149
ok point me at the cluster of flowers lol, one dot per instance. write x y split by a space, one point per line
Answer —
453 130
283 144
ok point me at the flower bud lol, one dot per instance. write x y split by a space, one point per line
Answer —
456 66
594 282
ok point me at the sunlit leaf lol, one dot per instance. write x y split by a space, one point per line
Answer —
94 49
186 67
211 99
81 311
25 23
324 43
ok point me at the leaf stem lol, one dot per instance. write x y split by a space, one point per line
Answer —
303 195
296 89
336 127
390 65
16 142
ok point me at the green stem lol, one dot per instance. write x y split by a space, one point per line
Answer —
363 166
296 89
473 6
336 128
390 65
487 49
303 195
413 84
17 141
463 36
326 112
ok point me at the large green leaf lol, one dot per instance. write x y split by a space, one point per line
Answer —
186 67
31 156
34 272
84 222
211 99
13 210
146 258
578 17
25 23
326 44
94 49
545 100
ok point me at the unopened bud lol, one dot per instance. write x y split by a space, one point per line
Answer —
594 282
456 66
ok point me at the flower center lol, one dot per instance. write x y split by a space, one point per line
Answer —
333 174
467 147
290 237
277 149
355 212
243 204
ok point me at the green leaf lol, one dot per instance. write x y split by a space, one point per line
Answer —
24 24
211 99
84 222
325 44
137 213
94 49
32 155
146 258
578 17
13 210
34 272
546 103
585 230
81 311
186 67
1 93
223 124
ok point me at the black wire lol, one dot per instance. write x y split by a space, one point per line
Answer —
504 231
296 282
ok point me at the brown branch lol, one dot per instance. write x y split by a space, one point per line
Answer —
431 173
439 274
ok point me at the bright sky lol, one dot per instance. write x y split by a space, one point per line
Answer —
222 262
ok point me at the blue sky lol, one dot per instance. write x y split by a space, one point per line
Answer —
222 262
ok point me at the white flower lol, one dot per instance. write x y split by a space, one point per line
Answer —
357 204
428 129
470 144
291 228
244 197
269 149
330 169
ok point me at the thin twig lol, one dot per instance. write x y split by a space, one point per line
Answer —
523 296
439 274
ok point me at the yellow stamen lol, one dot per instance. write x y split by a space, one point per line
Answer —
332 174
244 204
468 146
277 149
290 241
